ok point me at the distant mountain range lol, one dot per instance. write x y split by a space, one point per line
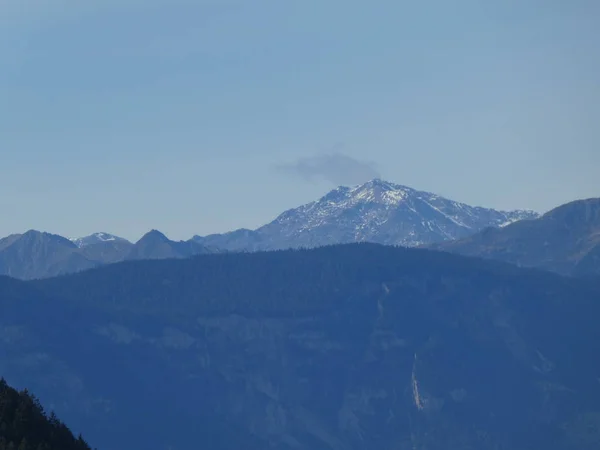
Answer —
36 254
377 211
565 240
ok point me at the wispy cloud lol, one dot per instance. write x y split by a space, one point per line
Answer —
337 168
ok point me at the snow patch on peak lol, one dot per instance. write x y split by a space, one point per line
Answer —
95 238
518 215
374 191
104 237
382 212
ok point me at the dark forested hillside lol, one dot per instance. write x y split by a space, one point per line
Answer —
344 347
25 426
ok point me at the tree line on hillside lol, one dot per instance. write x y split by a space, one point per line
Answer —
24 425
299 282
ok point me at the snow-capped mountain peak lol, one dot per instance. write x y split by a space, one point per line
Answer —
380 192
96 238
376 211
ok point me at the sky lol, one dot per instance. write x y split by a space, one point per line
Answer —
195 117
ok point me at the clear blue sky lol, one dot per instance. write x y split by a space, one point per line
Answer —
204 116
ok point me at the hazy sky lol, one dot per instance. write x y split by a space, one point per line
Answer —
204 116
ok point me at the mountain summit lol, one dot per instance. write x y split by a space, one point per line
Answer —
36 254
155 245
97 238
377 211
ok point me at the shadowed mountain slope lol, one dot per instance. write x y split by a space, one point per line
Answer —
565 240
35 255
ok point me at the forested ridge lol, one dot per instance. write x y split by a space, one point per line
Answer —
345 347
284 282
24 425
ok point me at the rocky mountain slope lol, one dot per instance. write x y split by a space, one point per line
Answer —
377 211
35 254
97 238
565 240
346 347
103 248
